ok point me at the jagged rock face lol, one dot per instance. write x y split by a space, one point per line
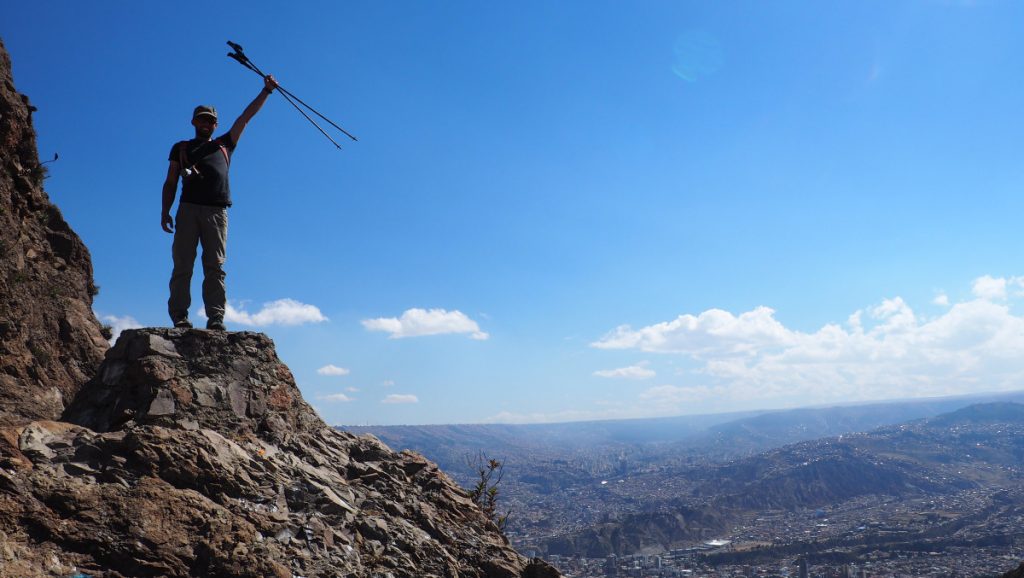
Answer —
50 340
231 382
205 461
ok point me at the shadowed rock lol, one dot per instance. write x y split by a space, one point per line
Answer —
50 341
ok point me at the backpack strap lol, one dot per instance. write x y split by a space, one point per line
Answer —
183 155
224 151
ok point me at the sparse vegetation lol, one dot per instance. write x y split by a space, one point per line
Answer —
41 355
40 173
485 493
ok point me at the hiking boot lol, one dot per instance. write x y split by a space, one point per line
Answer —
216 325
183 323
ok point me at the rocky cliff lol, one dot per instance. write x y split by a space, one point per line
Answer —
50 341
187 452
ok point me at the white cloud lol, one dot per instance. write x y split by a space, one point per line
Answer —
941 299
335 397
352 389
280 312
989 288
387 383
416 322
713 331
331 369
884 351
638 371
119 324
400 398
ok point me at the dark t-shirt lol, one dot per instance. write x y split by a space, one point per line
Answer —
211 186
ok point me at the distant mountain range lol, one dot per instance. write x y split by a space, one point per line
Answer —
609 443
648 486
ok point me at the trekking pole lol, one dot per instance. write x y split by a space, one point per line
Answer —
239 56
244 61
242 58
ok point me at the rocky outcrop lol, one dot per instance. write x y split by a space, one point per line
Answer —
192 453
50 341
229 382
187 453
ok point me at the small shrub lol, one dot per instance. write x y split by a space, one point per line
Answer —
485 491
41 355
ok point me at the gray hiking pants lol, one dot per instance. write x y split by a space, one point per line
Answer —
195 224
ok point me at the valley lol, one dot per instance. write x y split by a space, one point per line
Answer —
942 491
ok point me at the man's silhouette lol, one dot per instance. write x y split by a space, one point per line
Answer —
202 216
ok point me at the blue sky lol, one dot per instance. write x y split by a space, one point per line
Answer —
567 210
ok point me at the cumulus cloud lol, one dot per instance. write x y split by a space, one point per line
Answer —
119 324
335 397
712 332
331 369
883 351
280 312
638 371
400 398
416 322
988 287
941 299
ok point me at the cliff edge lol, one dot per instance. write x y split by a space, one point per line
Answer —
50 340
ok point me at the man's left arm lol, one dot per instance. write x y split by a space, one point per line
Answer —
269 84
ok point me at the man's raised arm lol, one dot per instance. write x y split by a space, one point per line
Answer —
269 84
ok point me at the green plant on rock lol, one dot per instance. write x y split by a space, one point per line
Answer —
42 356
485 491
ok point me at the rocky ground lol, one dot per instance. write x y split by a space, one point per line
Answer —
192 453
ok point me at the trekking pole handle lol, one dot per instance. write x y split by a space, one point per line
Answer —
241 59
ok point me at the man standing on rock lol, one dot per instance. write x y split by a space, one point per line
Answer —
202 214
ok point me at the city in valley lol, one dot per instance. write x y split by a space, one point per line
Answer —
782 494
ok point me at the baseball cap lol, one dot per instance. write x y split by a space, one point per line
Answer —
204 110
